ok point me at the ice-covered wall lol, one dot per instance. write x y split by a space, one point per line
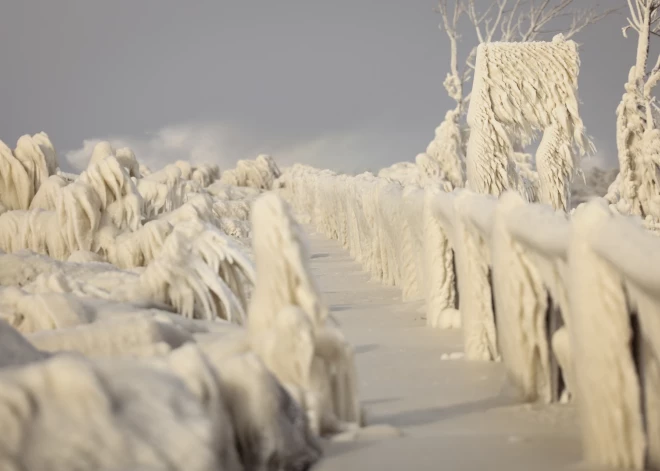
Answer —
569 303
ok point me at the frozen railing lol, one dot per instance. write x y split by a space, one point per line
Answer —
570 306
614 301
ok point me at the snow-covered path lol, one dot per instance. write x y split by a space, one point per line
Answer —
455 415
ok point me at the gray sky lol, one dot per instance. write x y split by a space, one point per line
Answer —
343 84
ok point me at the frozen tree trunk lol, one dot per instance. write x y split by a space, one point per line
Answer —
637 190
630 128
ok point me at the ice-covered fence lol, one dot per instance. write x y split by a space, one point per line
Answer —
614 299
530 245
467 219
530 286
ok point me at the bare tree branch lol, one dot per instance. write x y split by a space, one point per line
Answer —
453 83
512 20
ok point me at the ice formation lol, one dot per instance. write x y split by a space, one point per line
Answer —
472 226
528 283
188 240
601 335
438 268
522 305
636 190
520 89
567 301
122 294
287 304
259 173
182 296
25 169
447 149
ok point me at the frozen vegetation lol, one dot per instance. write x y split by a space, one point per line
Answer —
163 319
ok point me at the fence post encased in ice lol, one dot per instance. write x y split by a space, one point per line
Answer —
607 389
540 236
634 253
523 306
413 200
469 217
439 268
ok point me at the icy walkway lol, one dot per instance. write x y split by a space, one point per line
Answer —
455 415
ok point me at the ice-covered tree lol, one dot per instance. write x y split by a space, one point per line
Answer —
506 21
490 21
520 89
636 189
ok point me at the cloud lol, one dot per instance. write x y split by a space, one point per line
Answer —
203 142
340 152
601 159
351 151
224 144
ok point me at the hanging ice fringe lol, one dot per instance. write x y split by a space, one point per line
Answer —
521 89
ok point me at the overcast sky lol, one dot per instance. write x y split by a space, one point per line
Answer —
343 84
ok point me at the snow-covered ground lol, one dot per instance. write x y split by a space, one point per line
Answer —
452 414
